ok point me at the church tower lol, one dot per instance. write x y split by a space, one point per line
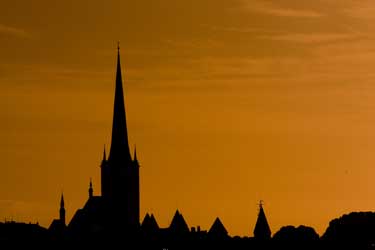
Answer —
120 173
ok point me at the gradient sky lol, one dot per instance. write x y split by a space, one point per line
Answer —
228 102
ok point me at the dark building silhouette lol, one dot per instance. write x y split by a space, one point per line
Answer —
58 226
116 211
262 230
120 173
22 233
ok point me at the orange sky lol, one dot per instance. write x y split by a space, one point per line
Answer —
228 102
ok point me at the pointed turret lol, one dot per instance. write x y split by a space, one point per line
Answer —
62 210
178 224
218 230
262 230
149 224
119 151
91 190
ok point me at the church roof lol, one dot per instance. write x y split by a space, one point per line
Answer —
217 229
91 216
56 225
178 224
262 229
94 203
149 223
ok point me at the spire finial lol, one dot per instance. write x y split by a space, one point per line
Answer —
118 46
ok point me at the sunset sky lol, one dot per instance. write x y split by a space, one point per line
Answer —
228 102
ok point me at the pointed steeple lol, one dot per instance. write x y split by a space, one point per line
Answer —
91 190
62 210
262 230
119 151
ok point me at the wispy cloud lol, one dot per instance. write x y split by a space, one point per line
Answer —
271 9
291 13
9 30
311 38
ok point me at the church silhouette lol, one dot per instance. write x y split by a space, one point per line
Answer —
115 214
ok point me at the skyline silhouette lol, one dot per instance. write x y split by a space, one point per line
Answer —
113 217
116 210
227 102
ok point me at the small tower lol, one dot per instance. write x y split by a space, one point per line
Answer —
104 173
62 210
262 230
91 190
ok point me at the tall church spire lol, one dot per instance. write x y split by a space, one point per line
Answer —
119 151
